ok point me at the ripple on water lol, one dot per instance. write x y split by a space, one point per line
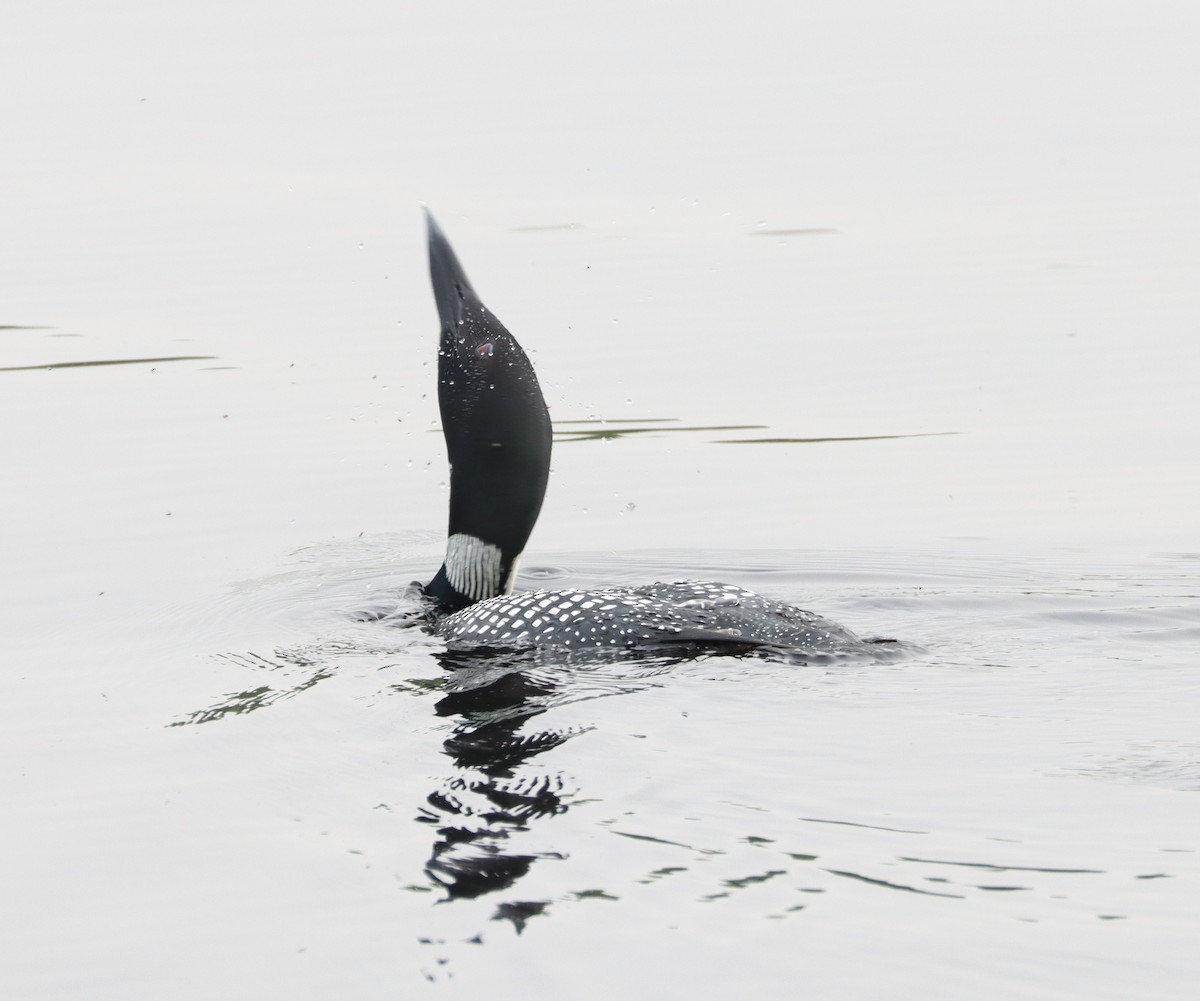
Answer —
956 786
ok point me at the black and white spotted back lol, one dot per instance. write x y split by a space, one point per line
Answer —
649 615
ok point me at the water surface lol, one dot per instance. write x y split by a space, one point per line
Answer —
888 313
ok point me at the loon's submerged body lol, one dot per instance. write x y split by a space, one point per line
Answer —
498 434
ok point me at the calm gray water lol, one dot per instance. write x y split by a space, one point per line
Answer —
888 313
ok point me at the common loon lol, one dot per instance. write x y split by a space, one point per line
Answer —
498 433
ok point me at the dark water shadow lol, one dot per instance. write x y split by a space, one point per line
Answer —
106 361
260 696
501 783
502 786
604 429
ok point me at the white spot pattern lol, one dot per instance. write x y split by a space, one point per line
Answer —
680 611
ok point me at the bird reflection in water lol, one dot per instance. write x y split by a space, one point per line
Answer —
497 792
493 795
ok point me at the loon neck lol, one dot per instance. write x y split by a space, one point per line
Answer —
497 431
473 571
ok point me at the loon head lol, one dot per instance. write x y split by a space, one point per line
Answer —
497 433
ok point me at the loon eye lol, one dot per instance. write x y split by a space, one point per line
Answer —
485 350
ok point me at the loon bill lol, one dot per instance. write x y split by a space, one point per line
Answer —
497 431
